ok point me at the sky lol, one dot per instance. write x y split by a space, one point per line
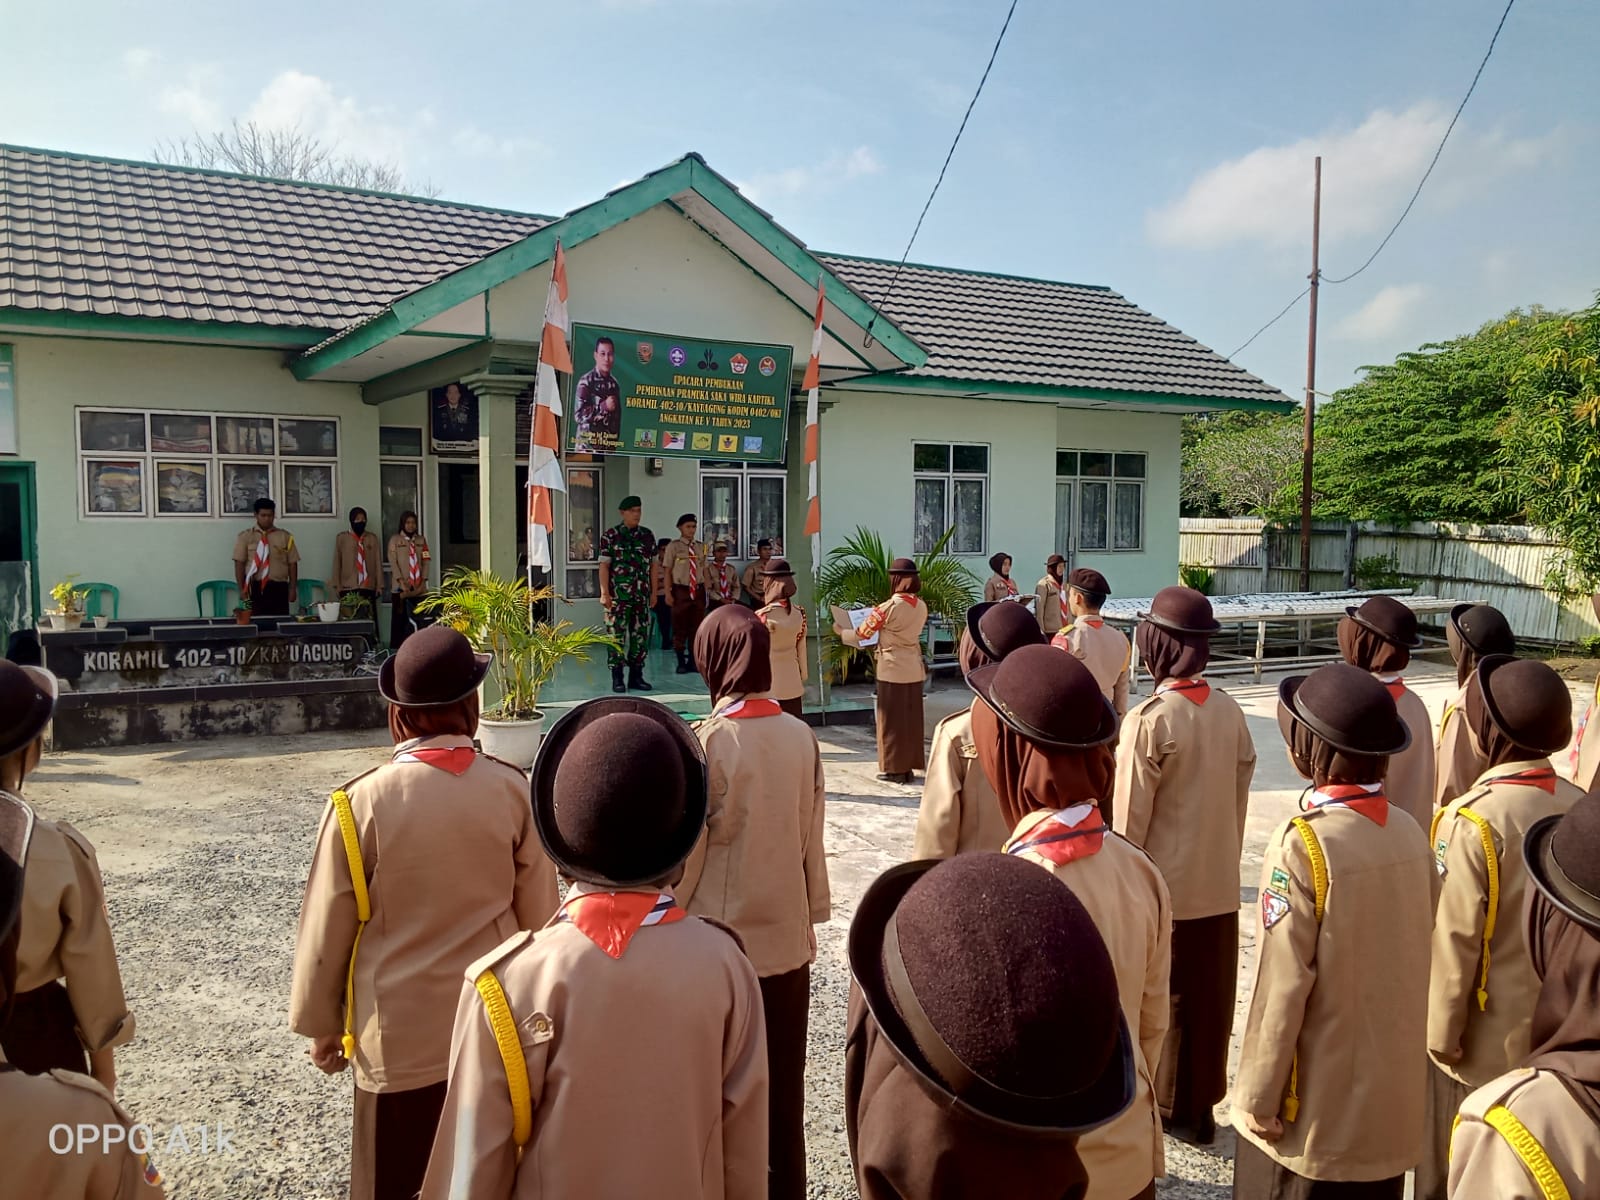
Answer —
1162 149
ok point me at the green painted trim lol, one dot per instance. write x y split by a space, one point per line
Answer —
30 534
420 376
439 333
167 328
890 262
977 389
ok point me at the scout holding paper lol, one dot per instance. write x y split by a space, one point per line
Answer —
896 625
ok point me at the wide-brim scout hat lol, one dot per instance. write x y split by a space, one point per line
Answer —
993 988
1347 708
27 702
1484 628
1182 610
903 566
1526 700
777 567
998 627
619 792
1563 857
436 666
1055 560
16 829
1389 619
1087 579
1048 697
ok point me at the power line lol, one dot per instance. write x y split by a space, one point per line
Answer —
1274 320
895 278
1471 87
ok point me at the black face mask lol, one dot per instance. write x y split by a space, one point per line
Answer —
358 527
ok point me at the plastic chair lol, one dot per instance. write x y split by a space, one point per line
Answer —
91 601
311 591
218 590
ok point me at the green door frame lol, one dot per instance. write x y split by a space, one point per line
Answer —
27 472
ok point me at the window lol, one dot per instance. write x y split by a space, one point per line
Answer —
135 463
741 506
950 491
1107 490
583 533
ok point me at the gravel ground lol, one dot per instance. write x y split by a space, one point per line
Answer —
205 847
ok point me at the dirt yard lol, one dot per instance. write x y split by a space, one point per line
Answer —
205 847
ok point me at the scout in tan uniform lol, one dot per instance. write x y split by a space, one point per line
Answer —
408 564
722 578
898 623
1044 739
1482 987
1534 1132
35 1110
1101 647
958 1082
1474 631
959 812
752 585
1324 1102
638 1064
1586 753
1000 585
358 563
1049 606
786 622
441 848
68 990
1379 637
266 563
1184 765
685 564
661 593
759 868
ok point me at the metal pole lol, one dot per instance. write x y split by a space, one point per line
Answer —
1311 389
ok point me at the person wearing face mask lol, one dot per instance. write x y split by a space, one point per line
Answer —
1474 631
409 557
357 563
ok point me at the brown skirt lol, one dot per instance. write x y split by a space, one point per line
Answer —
786 1003
1259 1176
794 707
43 1033
900 728
393 1138
1441 1103
1193 1076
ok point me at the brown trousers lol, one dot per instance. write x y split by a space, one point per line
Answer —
1442 1102
1193 1076
43 1033
1259 1176
786 1003
900 747
688 610
794 707
393 1138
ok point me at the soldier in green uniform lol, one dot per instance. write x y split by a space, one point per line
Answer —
625 554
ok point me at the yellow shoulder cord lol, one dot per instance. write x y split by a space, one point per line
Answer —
516 1065
1319 884
358 880
1433 826
1527 1149
1445 720
1492 861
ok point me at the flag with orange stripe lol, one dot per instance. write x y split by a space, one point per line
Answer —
811 383
544 461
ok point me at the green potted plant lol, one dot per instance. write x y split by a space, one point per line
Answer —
241 610
496 615
69 604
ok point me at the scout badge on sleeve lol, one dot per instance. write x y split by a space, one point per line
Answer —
1275 898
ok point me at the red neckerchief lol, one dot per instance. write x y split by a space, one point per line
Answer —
454 759
908 598
1197 691
1011 587
1539 777
1396 686
1365 798
1093 622
1061 836
610 919
741 710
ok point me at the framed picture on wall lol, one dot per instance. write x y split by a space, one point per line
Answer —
242 484
112 430
244 435
308 439
308 489
453 411
183 488
180 433
113 487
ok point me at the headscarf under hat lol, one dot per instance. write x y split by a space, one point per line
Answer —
734 652
1340 724
778 587
997 561
1566 1017
1517 709
1169 655
1475 631
970 655
903 577
1029 778
458 720
1365 648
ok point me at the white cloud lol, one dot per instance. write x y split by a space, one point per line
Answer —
791 181
195 98
1385 315
294 98
477 143
139 61
1368 173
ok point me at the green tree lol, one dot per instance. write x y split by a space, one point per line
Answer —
1237 463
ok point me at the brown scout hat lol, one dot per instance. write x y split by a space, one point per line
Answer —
1048 697
1563 857
1526 700
997 627
903 566
16 828
995 991
1389 619
619 791
1484 628
1345 707
27 701
436 666
1087 579
777 566
1054 560
1182 610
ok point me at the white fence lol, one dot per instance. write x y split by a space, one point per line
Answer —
1502 565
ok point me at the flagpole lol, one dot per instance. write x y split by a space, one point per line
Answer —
813 528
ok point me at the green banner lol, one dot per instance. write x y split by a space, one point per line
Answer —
661 395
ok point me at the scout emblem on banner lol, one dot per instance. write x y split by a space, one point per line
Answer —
544 463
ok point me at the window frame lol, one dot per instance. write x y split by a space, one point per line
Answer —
744 473
588 567
1112 482
950 477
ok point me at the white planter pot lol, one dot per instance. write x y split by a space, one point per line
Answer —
515 742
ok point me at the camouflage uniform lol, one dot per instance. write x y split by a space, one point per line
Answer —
629 553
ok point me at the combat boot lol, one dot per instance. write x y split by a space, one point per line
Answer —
683 663
616 680
636 679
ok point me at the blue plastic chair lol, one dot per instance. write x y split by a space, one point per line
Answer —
218 591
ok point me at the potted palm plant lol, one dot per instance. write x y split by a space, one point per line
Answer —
69 604
496 616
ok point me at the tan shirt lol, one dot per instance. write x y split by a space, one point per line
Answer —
1472 1044
400 564
648 1072
345 576
1183 788
760 866
31 1108
997 589
1104 649
1348 996
679 554
722 583
1410 781
66 934
960 812
453 868
281 552
1128 899
1483 1166
1047 606
899 648
1587 765
753 583
1459 760
788 629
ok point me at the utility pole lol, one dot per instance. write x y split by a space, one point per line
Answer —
1311 388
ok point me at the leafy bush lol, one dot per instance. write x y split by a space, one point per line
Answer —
1197 576
1379 572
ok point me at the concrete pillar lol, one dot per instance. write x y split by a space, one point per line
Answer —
500 507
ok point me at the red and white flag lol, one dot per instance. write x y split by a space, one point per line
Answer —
812 381
544 460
